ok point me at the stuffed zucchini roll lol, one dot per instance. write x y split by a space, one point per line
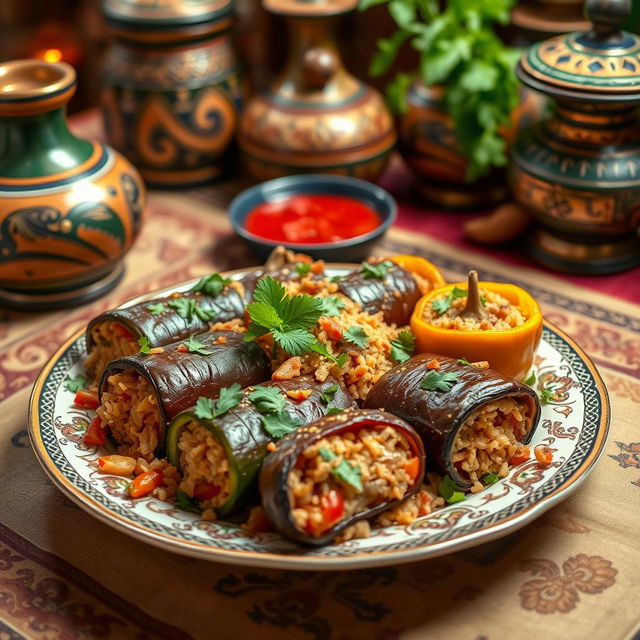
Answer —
339 470
474 421
139 394
161 321
219 453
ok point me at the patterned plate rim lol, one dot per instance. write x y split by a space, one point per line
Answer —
597 415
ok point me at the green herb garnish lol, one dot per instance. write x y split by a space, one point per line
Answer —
332 305
302 268
335 278
448 490
379 270
357 335
439 381
344 472
333 410
531 379
75 384
483 301
279 424
185 503
318 347
402 348
288 318
267 399
464 362
189 307
228 399
144 344
328 393
442 305
195 346
212 285
156 308
490 478
547 394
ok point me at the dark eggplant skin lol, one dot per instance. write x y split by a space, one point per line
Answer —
277 465
378 294
169 326
439 416
245 440
179 378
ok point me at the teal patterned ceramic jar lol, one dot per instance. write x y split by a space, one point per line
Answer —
69 208
578 172
171 87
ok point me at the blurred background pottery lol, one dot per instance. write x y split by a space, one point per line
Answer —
578 172
172 89
316 117
69 208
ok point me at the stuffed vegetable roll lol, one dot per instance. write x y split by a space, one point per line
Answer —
139 394
220 454
474 421
339 470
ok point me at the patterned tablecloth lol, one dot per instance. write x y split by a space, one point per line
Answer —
571 574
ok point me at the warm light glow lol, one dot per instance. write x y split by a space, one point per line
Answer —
52 55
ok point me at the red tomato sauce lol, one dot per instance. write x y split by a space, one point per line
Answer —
312 219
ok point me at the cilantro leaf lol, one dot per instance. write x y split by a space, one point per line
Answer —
448 490
302 268
531 378
464 362
211 285
342 358
184 307
490 478
357 335
204 314
156 308
328 393
280 423
195 346
145 345
332 305
267 399
294 341
301 311
264 315
318 347
457 292
442 305
269 291
402 348
185 503
344 472
546 395
75 384
229 398
380 270
439 381
204 408
333 410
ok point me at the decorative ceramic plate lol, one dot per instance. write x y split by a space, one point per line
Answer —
575 423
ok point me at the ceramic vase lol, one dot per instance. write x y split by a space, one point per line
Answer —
316 118
172 90
69 209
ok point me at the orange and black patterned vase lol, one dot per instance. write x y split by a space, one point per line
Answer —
316 118
172 89
69 208
578 172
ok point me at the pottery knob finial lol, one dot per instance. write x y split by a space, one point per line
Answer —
607 16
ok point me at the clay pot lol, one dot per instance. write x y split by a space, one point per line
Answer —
69 209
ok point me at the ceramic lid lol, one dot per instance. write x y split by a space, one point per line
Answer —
600 65
164 13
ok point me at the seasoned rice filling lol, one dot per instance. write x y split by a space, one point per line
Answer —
320 497
130 412
490 439
111 341
206 474
501 314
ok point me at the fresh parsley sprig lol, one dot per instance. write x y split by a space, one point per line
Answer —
303 268
211 285
228 398
194 345
76 384
403 346
267 399
380 270
439 381
156 308
271 404
188 307
144 344
332 305
185 503
448 490
489 478
328 393
345 472
356 335
442 305
318 347
531 378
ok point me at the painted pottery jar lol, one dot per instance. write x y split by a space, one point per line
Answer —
69 208
428 144
578 172
172 89
316 118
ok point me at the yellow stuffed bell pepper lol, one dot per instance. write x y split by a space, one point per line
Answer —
428 275
467 331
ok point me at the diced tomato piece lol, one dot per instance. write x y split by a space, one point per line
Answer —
205 491
86 400
117 465
182 348
433 364
544 455
412 467
317 267
331 327
122 331
520 457
94 436
145 483
332 509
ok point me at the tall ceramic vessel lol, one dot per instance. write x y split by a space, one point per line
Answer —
69 208
316 117
578 172
171 88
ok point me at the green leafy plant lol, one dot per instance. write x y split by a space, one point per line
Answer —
458 49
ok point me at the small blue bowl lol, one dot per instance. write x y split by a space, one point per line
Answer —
351 250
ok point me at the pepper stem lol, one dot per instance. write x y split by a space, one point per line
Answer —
474 305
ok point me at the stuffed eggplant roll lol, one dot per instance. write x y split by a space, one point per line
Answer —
161 321
139 394
474 421
383 286
220 453
339 470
